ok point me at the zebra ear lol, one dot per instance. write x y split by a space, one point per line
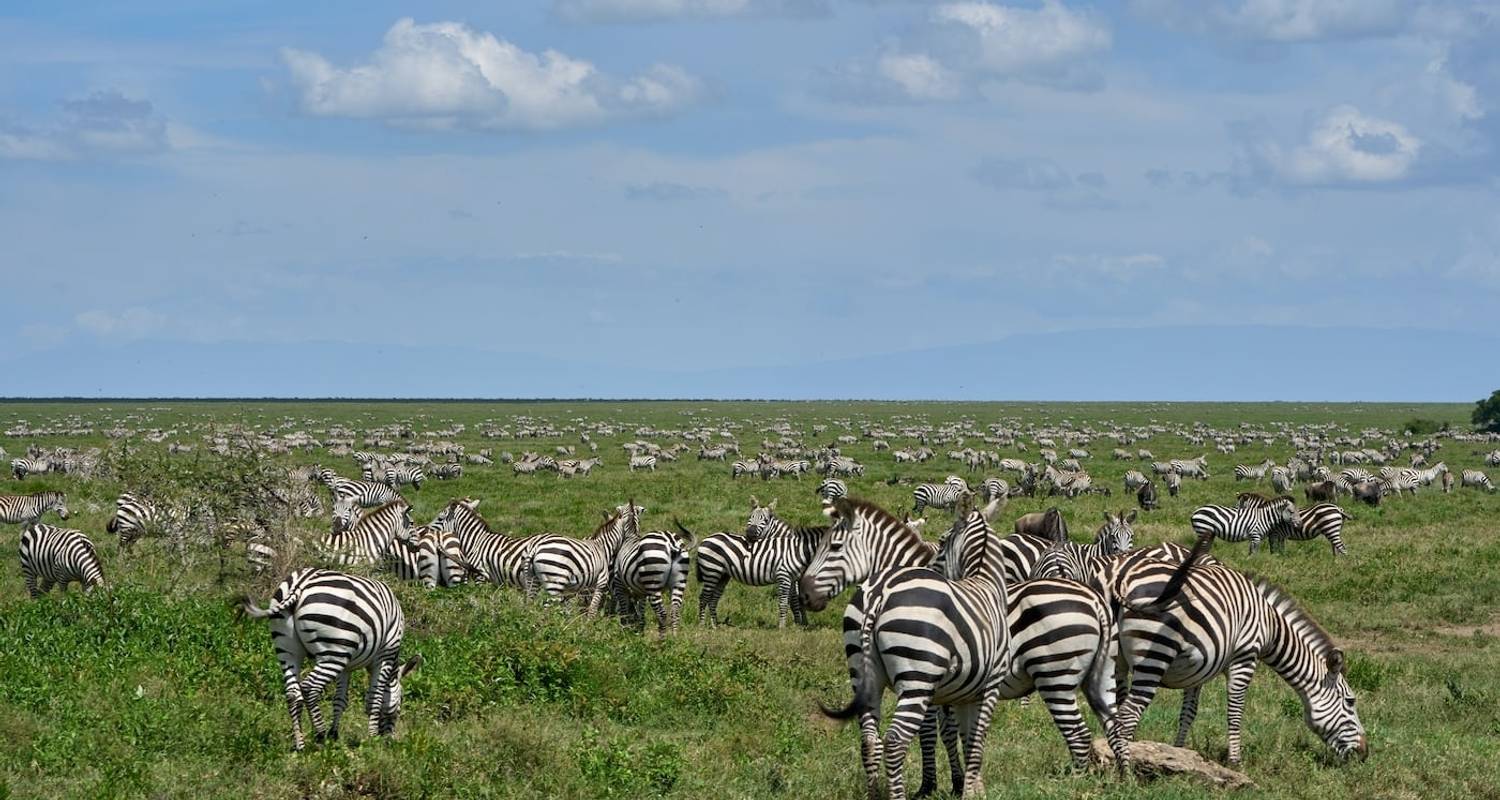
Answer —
1108 517
754 504
1131 518
1336 662
772 506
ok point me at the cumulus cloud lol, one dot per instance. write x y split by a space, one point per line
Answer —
660 10
1020 41
1285 21
102 124
919 77
445 75
1344 146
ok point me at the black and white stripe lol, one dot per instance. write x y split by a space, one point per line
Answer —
20 468
1250 522
939 495
24 509
832 489
486 555
770 552
135 516
342 622
365 494
1477 479
1182 626
398 475
52 555
369 540
559 565
1080 562
649 566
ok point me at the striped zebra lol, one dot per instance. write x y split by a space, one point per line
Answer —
1079 562
832 489
864 539
1135 479
20 468
1191 467
1324 519
342 623
365 494
642 462
399 475
368 541
1181 626
487 555
52 555
744 468
1174 483
1281 480
443 472
25 509
651 565
936 642
792 468
134 517
943 495
994 489
1251 521
1398 480
429 555
1162 468
557 565
1433 474
1254 472
770 552
1476 479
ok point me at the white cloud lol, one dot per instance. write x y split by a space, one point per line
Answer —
919 77
1344 146
1285 21
657 10
445 75
1017 40
1113 266
102 124
130 323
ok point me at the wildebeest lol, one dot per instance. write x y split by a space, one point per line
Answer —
1047 524
1369 492
1321 492
1145 496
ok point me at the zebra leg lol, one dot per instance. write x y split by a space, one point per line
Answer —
1254 542
1237 682
870 751
950 743
597 597
48 584
1143 687
978 729
313 685
294 704
911 708
927 742
1062 704
708 600
661 613
340 702
783 598
1187 715
31 586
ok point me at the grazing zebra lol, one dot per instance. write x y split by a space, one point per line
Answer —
1135 479
936 642
430 555
1079 562
1477 479
648 566
1250 521
744 468
1145 497
445 472
365 494
134 517
642 462
1182 626
770 552
832 489
561 564
995 489
1281 480
52 555
398 475
1174 483
25 509
369 540
1323 519
488 555
1162 468
22 467
1191 467
342 622
793 468
939 495
1432 474
1256 472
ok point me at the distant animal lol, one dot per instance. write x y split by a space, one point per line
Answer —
1146 497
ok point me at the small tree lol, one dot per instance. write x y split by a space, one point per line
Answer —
1487 413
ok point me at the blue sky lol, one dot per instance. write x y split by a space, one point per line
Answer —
637 185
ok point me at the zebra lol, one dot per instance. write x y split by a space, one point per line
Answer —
1281 480
770 552
1135 479
1256 472
1323 519
936 642
445 472
52 555
832 489
398 475
744 468
342 622
25 509
134 517
1080 561
1145 497
1181 626
557 564
20 468
642 462
994 489
1432 474
1477 479
1056 643
793 468
1174 483
365 494
369 540
1398 480
1162 468
430 555
649 565
487 555
939 495
1191 467
1249 521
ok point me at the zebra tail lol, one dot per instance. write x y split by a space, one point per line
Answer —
1099 688
686 534
866 690
1179 576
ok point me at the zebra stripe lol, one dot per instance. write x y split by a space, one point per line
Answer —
832 489
1239 524
370 540
936 642
1079 562
642 462
25 509
22 467
342 622
562 564
939 495
770 552
487 555
653 564
52 555
134 517
400 475
366 494
864 540
1182 626
1477 479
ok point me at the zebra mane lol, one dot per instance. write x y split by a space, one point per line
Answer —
605 527
848 506
395 506
1305 627
455 505
1258 500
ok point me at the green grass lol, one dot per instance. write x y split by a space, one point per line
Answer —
154 688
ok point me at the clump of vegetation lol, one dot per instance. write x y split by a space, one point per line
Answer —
1487 413
1424 427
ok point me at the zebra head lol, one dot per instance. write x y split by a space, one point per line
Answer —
1328 709
830 569
1116 536
970 544
760 519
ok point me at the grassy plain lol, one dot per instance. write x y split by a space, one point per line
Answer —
153 688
